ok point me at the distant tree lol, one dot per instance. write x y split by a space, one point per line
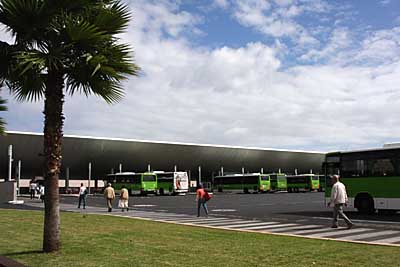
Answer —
63 46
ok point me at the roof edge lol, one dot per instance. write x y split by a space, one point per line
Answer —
167 143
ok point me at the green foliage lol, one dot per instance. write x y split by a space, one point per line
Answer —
75 38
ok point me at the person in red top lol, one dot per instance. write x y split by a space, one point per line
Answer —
201 201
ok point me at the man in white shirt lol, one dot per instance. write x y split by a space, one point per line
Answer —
82 196
32 188
338 199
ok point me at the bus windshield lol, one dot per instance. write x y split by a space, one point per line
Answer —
149 178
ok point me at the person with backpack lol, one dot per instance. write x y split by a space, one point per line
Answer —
82 196
201 198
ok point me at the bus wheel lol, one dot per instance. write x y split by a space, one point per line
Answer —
219 189
245 190
364 204
161 191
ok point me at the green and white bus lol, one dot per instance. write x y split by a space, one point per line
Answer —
372 178
278 182
302 182
254 182
172 182
136 183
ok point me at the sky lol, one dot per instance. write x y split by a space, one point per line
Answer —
309 75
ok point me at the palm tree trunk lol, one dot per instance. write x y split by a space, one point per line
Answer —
53 124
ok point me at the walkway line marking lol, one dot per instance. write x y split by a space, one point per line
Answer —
294 228
341 232
237 223
321 229
194 220
358 220
227 222
279 225
362 236
388 240
252 224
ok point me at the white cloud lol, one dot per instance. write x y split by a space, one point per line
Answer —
381 46
221 3
237 96
339 41
163 18
5 36
278 20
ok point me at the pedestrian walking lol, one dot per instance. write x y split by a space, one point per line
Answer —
82 196
124 199
201 200
41 192
338 200
32 189
109 194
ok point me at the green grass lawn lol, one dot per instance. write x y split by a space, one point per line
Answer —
95 240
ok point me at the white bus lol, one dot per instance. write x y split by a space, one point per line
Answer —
172 182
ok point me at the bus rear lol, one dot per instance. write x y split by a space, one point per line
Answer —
265 184
181 182
315 184
148 183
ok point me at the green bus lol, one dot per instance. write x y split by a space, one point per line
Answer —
278 182
172 182
302 182
254 182
372 178
142 183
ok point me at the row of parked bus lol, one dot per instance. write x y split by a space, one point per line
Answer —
257 182
160 182
372 179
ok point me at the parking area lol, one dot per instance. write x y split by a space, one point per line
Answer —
296 207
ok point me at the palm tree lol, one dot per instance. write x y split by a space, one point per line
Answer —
3 71
2 108
63 47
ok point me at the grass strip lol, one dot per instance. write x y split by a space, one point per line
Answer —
96 240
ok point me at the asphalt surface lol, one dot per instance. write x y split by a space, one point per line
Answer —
286 207
291 207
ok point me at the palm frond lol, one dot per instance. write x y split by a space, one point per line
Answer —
113 19
25 19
